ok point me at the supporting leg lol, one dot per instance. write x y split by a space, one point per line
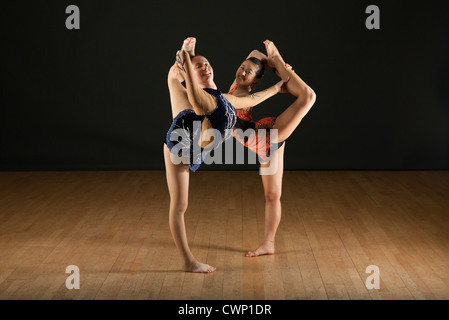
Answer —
178 186
272 185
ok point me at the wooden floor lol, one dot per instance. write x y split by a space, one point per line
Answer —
114 227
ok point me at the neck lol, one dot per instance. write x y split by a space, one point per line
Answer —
243 89
208 84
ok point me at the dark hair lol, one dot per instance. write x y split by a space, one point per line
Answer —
260 72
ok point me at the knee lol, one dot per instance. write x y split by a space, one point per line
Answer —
310 96
178 207
272 196
305 100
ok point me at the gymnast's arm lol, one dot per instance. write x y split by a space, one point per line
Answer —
202 102
255 98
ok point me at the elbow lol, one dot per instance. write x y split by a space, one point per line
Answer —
256 54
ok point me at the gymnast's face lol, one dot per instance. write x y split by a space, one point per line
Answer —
203 70
246 74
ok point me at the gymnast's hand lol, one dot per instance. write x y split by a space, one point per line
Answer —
177 72
289 67
281 85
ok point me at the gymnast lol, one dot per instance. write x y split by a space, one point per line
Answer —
199 102
248 74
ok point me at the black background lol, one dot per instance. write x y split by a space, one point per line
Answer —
97 98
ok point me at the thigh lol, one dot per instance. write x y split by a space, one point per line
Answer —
273 183
177 178
290 118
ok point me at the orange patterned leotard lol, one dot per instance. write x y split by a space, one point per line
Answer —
257 143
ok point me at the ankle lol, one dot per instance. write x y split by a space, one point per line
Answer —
277 61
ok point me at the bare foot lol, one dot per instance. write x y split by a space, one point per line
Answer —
272 51
266 248
189 46
199 267
274 59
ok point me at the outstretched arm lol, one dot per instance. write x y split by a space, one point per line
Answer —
256 98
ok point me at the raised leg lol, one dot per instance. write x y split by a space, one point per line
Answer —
178 94
288 120
202 102
296 86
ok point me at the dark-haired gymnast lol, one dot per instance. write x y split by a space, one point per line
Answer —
249 73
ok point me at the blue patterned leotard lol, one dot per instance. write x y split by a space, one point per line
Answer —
188 127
